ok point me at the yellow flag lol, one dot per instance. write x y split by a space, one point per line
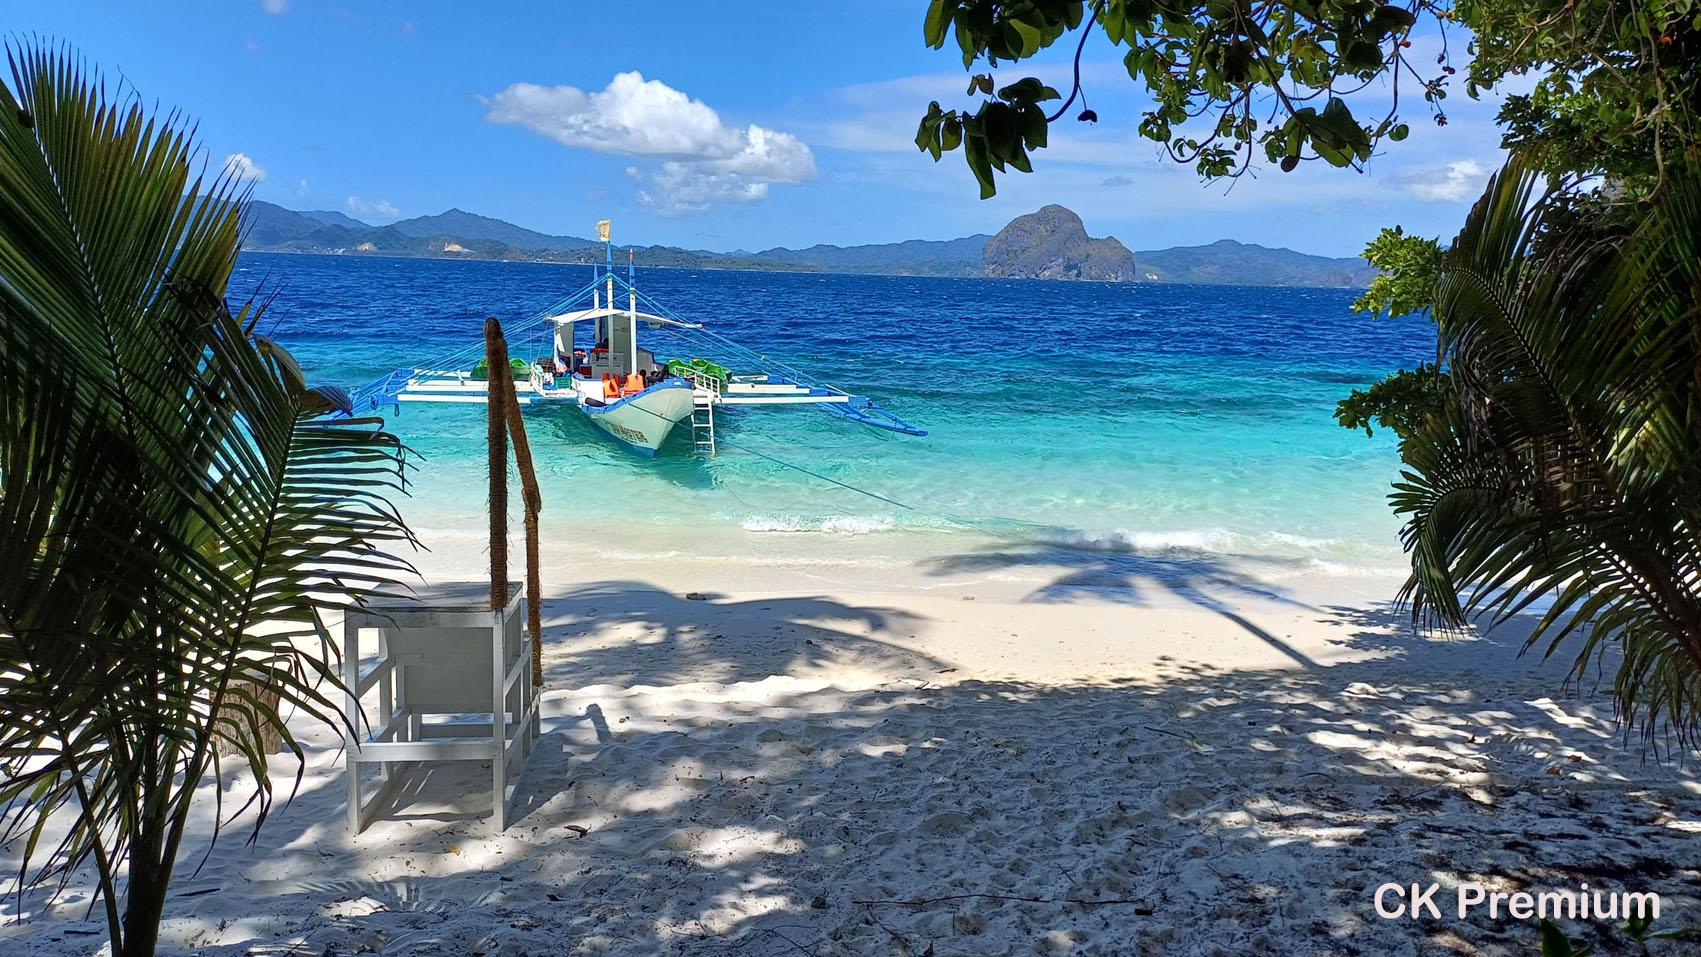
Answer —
602 231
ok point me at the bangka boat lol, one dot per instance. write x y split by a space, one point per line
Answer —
629 393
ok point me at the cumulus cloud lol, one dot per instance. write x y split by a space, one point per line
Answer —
1453 183
242 166
275 7
703 161
361 209
1118 181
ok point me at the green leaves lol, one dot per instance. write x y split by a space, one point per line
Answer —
167 487
939 13
1403 402
997 137
1556 944
1027 90
1410 267
1562 465
1204 63
1335 136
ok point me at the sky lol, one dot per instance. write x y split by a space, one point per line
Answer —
721 126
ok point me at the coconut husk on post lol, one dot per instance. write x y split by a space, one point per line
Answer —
499 390
502 382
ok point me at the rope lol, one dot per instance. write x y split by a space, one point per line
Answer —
816 474
762 455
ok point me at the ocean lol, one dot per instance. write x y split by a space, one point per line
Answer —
1087 417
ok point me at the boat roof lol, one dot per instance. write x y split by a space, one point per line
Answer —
582 315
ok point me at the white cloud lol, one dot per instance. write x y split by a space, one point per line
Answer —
361 209
243 167
407 28
275 7
1453 183
704 161
301 189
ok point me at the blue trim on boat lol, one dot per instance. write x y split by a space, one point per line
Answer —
617 403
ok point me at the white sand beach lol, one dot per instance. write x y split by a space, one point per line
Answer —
991 754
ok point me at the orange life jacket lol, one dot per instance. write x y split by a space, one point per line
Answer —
634 384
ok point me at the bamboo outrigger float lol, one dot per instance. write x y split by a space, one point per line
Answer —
622 387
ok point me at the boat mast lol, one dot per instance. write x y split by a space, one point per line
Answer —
631 310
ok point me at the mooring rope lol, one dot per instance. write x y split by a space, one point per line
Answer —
834 481
782 462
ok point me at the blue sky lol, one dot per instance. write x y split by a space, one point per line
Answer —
747 124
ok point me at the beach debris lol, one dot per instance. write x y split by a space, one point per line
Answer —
968 598
696 596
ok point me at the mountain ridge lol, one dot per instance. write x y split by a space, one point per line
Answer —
458 234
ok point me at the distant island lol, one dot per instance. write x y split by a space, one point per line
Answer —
1050 243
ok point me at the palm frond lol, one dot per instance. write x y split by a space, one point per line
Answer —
1566 469
168 486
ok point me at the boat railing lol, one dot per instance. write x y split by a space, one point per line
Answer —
700 380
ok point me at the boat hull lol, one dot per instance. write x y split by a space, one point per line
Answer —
643 422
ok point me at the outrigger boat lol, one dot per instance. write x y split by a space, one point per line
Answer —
622 387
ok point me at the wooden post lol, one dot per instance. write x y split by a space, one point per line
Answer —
534 504
499 390
505 409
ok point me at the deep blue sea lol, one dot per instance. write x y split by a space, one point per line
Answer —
1145 416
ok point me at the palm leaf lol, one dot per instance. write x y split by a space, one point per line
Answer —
1566 470
167 486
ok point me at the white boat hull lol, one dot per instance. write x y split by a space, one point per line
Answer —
643 422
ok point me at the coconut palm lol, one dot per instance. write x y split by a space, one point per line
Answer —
1567 467
177 511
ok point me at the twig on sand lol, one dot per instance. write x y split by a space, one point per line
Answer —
1078 901
899 941
1195 742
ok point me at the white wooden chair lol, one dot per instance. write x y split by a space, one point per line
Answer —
453 681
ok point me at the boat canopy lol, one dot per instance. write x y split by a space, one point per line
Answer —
654 321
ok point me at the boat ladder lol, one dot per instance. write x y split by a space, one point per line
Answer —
703 425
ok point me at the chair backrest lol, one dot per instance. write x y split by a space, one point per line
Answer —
447 670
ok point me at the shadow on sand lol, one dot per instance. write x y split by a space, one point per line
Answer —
1196 811
1127 575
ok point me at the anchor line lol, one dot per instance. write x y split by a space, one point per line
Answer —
782 462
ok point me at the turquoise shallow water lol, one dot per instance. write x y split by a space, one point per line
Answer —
1094 416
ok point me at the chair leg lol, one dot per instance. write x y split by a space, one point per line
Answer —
498 727
499 784
351 743
386 699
